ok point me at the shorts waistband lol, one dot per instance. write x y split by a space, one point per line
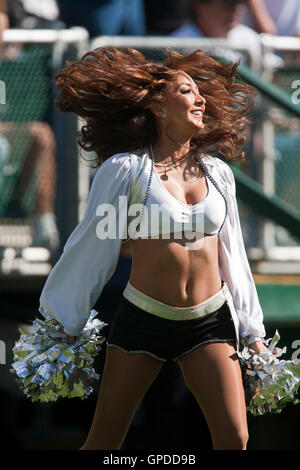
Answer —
151 305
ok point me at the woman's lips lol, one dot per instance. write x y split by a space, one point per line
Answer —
197 113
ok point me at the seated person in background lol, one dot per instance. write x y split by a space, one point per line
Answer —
104 17
163 17
25 14
32 14
220 19
4 22
40 158
277 17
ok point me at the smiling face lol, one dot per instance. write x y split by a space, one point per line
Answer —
184 106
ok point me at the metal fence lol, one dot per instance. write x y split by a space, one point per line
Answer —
280 133
39 161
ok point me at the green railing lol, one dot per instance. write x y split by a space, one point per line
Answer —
268 89
271 207
251 192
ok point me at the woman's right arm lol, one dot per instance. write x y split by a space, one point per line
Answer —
91 253
235 268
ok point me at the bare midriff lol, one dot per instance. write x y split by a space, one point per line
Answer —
178 271
170 271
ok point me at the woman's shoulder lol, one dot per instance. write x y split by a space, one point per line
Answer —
218 167
116 160
123 165
114 170
125 159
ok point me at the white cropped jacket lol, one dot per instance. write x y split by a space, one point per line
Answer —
87 262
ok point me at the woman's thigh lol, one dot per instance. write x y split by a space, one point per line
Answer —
212 373
125 380
130 373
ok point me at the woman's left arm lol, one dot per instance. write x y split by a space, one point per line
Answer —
235 270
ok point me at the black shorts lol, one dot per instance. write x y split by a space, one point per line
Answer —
135 331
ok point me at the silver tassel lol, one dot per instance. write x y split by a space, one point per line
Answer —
269 383
47 368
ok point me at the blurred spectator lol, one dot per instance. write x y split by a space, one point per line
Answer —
278 17
221 19
30 14
40 156
210 18
4 23
105 17
26 14
164 17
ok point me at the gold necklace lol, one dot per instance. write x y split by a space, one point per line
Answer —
166 168
170 166
164 175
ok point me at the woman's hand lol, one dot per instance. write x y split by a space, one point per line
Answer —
258 347
70 339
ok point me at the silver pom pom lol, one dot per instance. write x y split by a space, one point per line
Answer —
48 368
269 383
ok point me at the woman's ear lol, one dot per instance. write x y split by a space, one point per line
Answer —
158 110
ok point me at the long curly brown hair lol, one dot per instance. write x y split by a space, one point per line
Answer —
112 90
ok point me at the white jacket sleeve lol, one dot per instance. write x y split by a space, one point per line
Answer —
91 253
235 270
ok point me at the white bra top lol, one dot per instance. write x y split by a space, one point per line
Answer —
165 214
